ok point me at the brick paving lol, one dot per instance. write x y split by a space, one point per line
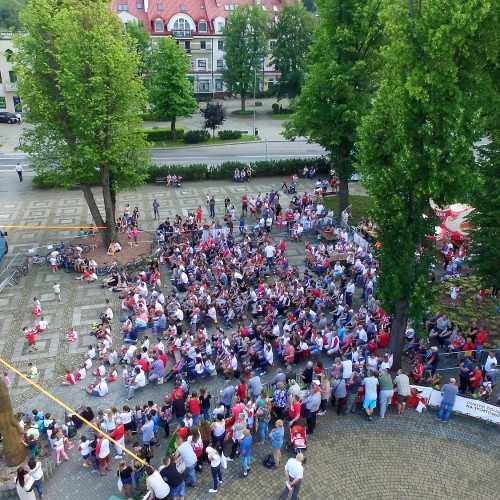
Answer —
397 458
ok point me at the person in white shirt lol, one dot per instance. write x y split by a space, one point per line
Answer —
138 382
156 484
294 472
370 398
100 389
270 252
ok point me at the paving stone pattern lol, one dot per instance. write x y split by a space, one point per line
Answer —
398 458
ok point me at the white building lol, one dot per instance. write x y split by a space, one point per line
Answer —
9 99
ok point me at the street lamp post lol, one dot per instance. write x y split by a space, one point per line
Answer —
254 88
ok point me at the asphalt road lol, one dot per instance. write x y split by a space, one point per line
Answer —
245 152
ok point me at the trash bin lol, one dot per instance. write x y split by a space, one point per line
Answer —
256 131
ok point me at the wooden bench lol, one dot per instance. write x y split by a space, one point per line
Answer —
4 283
243 132
160 180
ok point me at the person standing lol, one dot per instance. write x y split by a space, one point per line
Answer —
185 450
173 478
24 485
449 392
245 452
386 391
36 472
156 484
311 406
57 290
156 209
403 387
354 383
211 204
125 474
215 464
103 455
19 170
294 472
370 399
277 436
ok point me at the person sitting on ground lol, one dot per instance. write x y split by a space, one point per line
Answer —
114 247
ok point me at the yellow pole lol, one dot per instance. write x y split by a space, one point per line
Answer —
67 408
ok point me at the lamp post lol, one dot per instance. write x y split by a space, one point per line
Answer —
254 88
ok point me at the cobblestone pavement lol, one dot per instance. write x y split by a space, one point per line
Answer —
396 458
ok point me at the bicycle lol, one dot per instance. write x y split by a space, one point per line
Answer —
16 276
29 260
70 250
105 269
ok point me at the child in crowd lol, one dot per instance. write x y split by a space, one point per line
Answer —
72 336
57 290
84 449
37 307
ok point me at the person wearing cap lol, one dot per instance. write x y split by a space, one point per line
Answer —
449 393
432 361
294 472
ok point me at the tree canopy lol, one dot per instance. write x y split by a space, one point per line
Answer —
416 144
9 14
79 80
340 82
245 46
171 94
293 33
143 45
214 115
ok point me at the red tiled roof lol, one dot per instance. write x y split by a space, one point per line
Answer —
132 10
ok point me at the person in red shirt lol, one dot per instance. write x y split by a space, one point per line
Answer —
289 355
481 338
241 389
294 413
119 436
30 335
182 430
193 403
244 204
69 378
372 346
418 371
199 215
143 364
476 376
161 355
383 339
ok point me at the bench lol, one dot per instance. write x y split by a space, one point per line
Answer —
160 180
243 132
4 283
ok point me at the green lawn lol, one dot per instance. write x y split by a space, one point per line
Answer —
217 140
360 207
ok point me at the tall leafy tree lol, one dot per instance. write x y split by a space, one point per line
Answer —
339 83
171 94
9 13
293 33
79 80
214 114
416 144
245 45
143 44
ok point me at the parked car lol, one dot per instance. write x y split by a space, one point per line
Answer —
6 117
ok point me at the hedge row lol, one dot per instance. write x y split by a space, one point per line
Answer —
162 134
202 171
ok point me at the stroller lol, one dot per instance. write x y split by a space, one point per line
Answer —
290 189
298 439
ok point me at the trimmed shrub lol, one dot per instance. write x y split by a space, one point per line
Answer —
194 172
276 108
162 134
258 103
229 134
196 136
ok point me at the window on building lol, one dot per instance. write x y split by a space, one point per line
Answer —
183 8
159 6
187 46
8 55
12 77
191 64
220 63
122 7
202 64
272 43
3 104
181 25
204 86
203 45
202 26
220 27
219 85
220 44
159 27
140 5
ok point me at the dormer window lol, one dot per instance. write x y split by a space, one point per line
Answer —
160 6
159 27
202 27
122 7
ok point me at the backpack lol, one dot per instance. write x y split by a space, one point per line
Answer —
167 415
72 430
269 462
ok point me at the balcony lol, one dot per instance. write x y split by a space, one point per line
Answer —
182 34
11 87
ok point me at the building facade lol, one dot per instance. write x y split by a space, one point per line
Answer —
197 25
9 99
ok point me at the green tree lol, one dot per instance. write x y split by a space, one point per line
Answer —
293 33
339 83
143 45
9 14
80 84
245 45
416 144
171 94
214 114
